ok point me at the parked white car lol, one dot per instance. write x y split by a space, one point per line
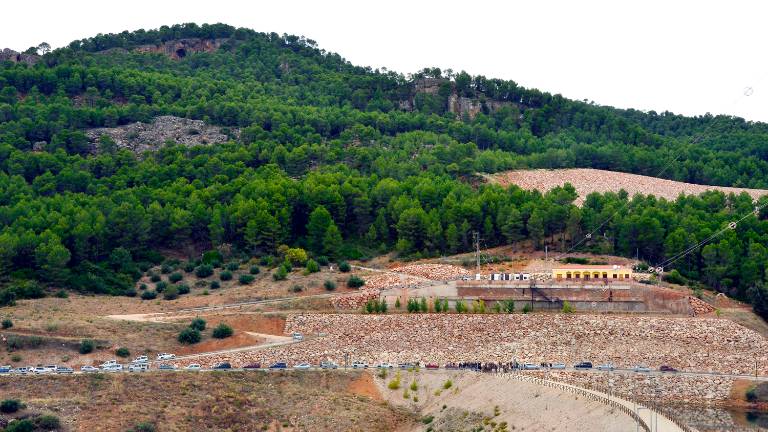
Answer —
64 370
166 356
138 367
21 370
141 359
303 366
385 366
297 336
531 366
193 367
328 365
557 366
108 363
89 369
641 368
39 370
359 365
112 368
606 367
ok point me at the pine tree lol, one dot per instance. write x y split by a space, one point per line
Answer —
332 242
319 221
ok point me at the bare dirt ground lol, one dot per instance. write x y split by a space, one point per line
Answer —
587 180
207 401
485 402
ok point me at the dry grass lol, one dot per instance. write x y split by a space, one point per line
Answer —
587 180
203 401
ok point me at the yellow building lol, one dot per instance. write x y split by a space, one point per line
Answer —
587 272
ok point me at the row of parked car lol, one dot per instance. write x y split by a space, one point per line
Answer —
36 370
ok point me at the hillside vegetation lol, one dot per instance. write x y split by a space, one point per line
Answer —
342 160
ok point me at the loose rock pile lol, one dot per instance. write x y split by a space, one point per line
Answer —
659 388
386 280
355 300
438 272
706 344
700 307
587 180
140 137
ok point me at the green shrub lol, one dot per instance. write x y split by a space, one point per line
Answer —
297 288
394 384
183 288
222 331
197 324
130 292
47 422
447 384
215 285
87 346
155 278
189 336
280 274
175 277
161 286
165 269
189 267
225 275
143 427
266 260
24 425
527 308
245 279
329 285
567 308
322 260
6 324
751 394
62 294
122 352
355 281
171 293
233 266
203 271
675 277
143 286
254 270
344 267
15 358
312 266
10 406
149 295
212 257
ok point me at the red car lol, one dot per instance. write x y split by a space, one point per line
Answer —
665 368
252 366
432 366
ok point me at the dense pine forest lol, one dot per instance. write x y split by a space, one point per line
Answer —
345 161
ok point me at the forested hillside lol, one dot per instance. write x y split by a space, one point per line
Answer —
345 161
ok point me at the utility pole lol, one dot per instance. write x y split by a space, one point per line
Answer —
476 240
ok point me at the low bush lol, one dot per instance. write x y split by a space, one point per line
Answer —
189 267
24 425
189 336
203 271
254 270
171 293
245 279
322 260
233 266
6 324
183 289
312 266
161 286
122 352
130 292
143 427
175 277
567 307
10 406
280 274
86 346
355 282
344 267
62 294
143 286
165 269
297 288
329 285
197 324
155 278
215 285
222 331
47 422
149 295
527 308
225 275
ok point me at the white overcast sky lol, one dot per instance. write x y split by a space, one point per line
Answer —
686 57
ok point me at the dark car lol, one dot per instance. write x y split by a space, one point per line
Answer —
583 365
279 365
252 366
665 368
223 365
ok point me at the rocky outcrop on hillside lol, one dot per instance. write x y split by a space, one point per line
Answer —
16 57
180 48
460 106
140 137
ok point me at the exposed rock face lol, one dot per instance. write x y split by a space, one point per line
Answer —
17 57
140 137
460 106
180 48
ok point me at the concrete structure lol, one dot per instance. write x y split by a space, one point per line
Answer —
587 272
